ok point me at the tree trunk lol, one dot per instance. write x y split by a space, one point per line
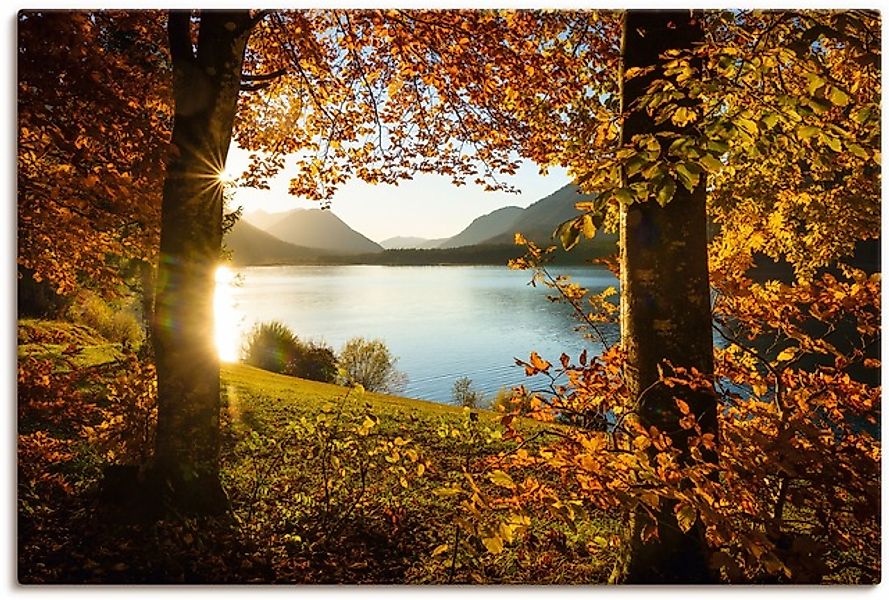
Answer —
665 305
206 85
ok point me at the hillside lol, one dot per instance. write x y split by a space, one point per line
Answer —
485 227
539 220
262 219
323 230
252 246
407 242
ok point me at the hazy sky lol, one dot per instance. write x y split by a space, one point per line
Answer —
427 206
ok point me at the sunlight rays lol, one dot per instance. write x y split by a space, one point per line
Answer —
227 328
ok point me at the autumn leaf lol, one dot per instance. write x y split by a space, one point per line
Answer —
538 363
685 517
787 354
502 479
682 116
493 543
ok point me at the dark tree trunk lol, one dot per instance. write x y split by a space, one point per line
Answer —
665 305
206 85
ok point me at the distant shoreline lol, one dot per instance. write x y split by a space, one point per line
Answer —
482 255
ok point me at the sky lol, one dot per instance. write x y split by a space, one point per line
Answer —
428 206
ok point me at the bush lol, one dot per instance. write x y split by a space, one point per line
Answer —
270 346
465 395
313 360
116 322
371 364
274 347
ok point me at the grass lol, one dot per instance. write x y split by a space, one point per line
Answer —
49 339
381 520
326 486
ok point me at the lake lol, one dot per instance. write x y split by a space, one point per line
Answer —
442 322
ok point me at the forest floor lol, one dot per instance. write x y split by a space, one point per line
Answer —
326 484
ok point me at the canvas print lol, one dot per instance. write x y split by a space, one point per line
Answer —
448 297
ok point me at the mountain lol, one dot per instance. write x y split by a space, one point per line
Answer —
538 221
486 227
321 229
400 242
252 246
263 219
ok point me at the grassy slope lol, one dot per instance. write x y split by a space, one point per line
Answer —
48 339
378 548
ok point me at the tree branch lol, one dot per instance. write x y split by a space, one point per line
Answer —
255 87
254 20
179 32
255 77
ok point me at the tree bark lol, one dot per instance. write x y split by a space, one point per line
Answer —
665 305
206 84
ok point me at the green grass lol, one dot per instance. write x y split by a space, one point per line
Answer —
45 339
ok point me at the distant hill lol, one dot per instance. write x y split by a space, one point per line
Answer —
486 227
252 246
402 242
538 221
321 229
263 219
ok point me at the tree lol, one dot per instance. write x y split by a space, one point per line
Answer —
206 85
665 295
776 110
370 364
94 119
465 395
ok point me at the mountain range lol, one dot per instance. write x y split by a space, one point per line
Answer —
306 235
407 242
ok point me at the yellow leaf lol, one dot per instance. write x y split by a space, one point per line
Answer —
857 151
683 116
787 354
440 549
502 479
494 544
685 517
589 229
838 97
806 131
711 163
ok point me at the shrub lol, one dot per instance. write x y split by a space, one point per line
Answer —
313 360
270 346
371 364
115 321
274 347
465 395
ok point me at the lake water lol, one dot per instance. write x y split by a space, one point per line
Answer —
442 322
